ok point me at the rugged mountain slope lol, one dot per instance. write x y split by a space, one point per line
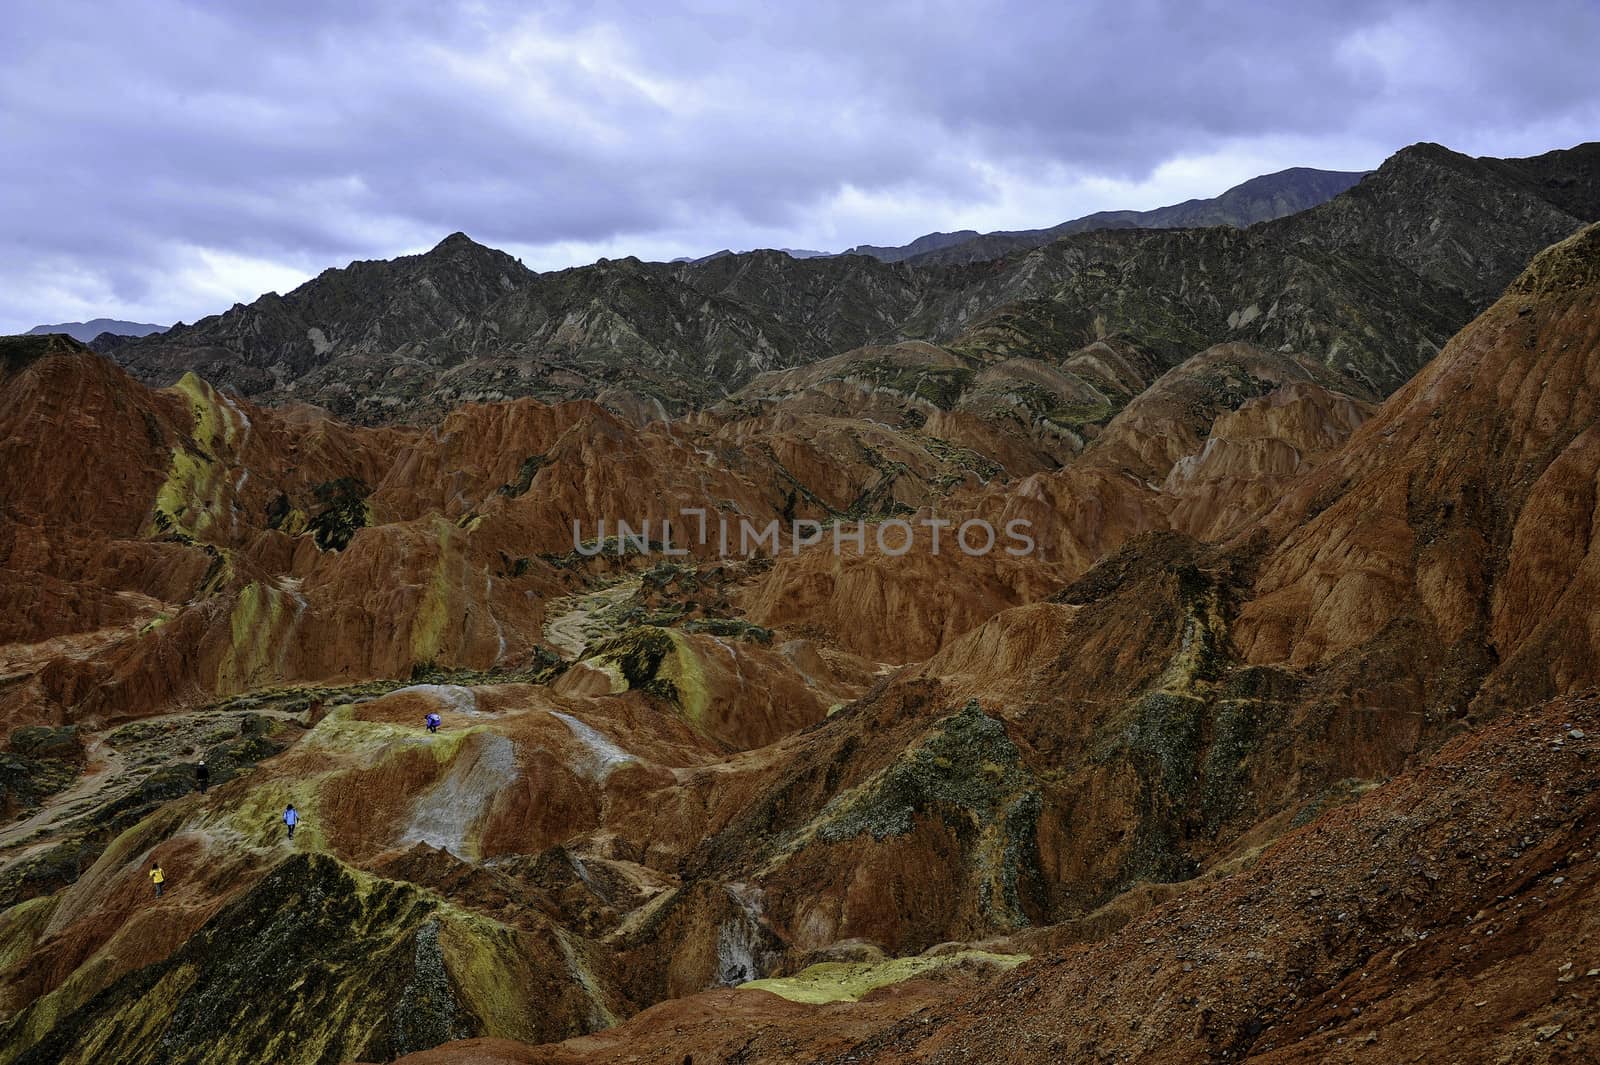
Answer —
1189 718
1408 256
1204 449
396 309
1446 915
1371 283
240 546
1460 224
1470 496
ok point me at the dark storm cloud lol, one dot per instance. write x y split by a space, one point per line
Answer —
162 159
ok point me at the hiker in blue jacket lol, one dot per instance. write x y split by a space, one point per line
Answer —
291 818
433 722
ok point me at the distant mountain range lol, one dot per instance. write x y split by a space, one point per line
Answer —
87 331
1260 199
1371 283
793 253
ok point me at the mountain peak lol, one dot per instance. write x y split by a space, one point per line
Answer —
18 352
1426 152
458 239
1573 263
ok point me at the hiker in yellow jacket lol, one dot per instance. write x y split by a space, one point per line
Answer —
157 877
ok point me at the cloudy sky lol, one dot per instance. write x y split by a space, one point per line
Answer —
160 160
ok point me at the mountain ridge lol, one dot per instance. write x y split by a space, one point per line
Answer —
1259 199
95 327
1372 281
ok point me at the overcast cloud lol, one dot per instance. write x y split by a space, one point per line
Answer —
161 160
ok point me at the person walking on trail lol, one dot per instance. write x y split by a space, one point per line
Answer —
433 722
202 776
157 877
291 817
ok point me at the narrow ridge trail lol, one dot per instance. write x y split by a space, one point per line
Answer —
572 621
112 771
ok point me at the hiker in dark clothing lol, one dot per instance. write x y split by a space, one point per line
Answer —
433 722
202 776
291 818
157 877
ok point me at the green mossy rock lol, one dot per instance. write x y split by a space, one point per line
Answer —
968 773
315 964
